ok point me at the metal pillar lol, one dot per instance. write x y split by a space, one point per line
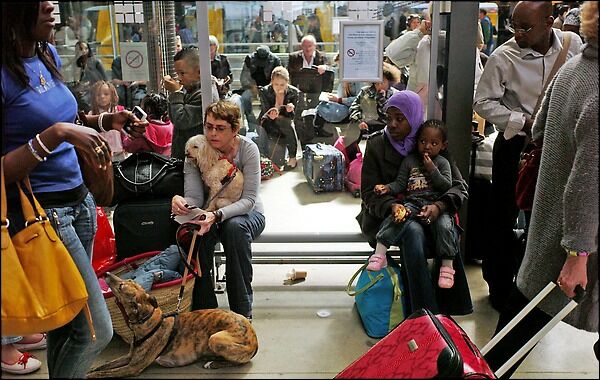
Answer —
204 50
458 88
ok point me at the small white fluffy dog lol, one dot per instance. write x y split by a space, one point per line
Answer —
215 172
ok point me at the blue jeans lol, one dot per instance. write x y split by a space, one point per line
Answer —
413 243
11 339
236 235
247 97
71 351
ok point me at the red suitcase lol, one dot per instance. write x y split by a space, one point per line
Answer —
422 346
426 345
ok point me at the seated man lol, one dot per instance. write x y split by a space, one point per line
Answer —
307 58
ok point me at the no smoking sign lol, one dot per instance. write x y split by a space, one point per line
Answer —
134 59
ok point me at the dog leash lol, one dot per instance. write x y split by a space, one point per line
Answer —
185 271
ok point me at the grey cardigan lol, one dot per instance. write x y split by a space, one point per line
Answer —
247 160
565 209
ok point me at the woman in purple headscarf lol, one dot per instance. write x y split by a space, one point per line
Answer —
384 154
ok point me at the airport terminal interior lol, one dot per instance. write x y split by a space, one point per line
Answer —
308 328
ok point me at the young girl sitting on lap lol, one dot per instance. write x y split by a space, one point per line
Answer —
422 178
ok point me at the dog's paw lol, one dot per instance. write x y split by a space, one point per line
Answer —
210 365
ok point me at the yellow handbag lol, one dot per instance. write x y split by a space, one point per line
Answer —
42 288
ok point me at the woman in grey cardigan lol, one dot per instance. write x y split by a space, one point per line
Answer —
235 225
563 237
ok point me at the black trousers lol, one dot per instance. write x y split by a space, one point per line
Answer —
519 335
503 257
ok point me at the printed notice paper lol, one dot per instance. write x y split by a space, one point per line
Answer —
361 51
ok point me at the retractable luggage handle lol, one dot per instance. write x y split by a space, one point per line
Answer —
579 294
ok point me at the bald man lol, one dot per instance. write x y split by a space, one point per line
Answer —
509 88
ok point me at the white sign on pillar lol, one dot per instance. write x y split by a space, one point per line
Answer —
134 61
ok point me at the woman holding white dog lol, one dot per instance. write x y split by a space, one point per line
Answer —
235 225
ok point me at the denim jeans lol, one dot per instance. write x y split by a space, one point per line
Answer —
247 97
11 339
71 351
413 243
236 235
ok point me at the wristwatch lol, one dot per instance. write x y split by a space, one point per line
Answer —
218 216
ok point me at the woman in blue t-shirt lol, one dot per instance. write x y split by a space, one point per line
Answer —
39 140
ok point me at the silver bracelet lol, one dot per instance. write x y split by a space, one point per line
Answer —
44 147
34 152
100 122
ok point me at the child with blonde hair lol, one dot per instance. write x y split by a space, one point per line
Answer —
105 99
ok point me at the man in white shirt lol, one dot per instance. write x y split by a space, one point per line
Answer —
509 88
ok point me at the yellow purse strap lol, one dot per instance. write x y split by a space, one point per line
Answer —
4 212
5 222
32 212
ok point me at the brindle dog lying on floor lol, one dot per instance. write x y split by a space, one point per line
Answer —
174 341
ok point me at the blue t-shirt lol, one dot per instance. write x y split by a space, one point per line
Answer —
29 111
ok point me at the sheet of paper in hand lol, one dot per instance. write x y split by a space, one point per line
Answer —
194 214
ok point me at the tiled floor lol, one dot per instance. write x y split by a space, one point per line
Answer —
296 343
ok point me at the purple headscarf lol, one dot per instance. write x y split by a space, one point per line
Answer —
409 103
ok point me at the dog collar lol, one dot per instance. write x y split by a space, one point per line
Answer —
155 329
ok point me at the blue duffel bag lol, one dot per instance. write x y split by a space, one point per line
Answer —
379 298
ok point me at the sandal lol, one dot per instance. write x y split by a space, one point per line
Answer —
377 262
446 279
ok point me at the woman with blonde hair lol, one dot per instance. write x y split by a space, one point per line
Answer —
278 103
562 243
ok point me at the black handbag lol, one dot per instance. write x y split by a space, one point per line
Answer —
147 174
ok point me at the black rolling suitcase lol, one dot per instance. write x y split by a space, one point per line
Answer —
143 225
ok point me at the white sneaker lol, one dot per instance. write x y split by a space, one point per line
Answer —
39 345
26 364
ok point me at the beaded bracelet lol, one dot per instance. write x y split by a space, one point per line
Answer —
34 152
574 253
44 147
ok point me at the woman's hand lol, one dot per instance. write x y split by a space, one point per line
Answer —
119 119
425 27
289 108
91 146
205 221
381 189
273 113
573 273
429 213
333 98
179 206
364 126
